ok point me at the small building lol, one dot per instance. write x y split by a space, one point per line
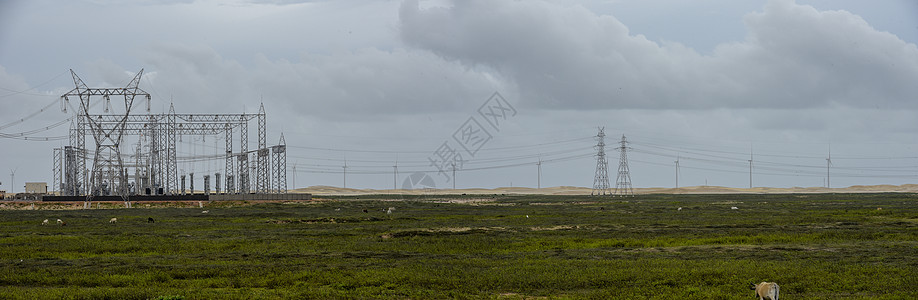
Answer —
36 187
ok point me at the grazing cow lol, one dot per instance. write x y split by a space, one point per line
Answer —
365 210
150 220
113 220
60 222
766 290
45 222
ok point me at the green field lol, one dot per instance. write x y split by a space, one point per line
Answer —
815 246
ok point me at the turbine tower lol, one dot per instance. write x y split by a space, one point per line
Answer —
829 164
750 169
539 177
395 174
601 179
623 183
677 171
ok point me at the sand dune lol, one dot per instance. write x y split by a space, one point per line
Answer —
572 190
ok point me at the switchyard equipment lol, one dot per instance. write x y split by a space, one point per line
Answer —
152 169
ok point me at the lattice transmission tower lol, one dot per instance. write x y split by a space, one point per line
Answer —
107 176
262 166
601 179
623 182
280 166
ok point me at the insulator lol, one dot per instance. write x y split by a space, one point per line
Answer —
108 103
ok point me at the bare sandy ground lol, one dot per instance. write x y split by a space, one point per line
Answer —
572 190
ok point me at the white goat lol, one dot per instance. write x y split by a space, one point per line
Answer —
113 220
45 222
766 290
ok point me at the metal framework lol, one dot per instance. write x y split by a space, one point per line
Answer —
243 158
153 165
623 182
601 179
57 185
262 182
107 175
280 166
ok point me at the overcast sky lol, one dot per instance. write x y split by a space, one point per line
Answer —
374 82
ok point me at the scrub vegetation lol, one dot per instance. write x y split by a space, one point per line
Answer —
816 246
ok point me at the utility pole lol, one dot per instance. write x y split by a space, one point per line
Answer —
395 174
454 175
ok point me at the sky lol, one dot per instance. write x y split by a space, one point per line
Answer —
502 84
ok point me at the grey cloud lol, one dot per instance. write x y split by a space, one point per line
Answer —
566 57
359 84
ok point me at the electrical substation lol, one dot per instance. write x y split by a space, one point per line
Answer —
131 156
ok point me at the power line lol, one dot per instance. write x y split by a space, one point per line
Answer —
23 92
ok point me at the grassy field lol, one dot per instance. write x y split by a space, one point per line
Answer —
815 246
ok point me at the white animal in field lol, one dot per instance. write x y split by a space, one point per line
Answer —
734 207
206 211
766 290
389 212
45 222
61 222
680 209
113 220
